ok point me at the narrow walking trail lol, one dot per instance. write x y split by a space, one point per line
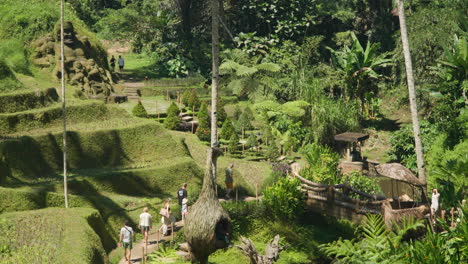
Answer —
137 251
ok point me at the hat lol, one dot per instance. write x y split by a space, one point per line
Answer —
184 201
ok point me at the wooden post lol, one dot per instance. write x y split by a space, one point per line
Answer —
330 198
172 231
193 126
243 148
256 192
158 237
143 255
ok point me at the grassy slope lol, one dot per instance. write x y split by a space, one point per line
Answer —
247 174
55 236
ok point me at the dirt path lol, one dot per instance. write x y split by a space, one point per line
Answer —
137 252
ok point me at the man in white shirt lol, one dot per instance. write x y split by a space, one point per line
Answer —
121 62
145 223
434 203
126 238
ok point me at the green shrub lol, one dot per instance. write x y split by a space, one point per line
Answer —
249 114
402 142
186 97
139 110
251 141
221 115
361 182
227 130
243 123
173 109
285 199
203 129
322 164
237 112
193 101
172 121
233 143
272 152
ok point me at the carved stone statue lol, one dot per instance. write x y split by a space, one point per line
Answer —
84 67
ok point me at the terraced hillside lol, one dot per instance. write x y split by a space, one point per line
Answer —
117 164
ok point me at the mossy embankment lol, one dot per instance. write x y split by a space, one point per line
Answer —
54 235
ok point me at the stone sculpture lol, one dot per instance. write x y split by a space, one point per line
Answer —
85 65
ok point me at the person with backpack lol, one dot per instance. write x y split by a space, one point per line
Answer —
181 195
112 63
126 238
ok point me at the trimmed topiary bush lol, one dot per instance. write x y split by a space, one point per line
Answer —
221 114
243 123
186 97
251 141
233 143
193 101
272 152
203 129
172 121
237 112
227 130
173 109
139 110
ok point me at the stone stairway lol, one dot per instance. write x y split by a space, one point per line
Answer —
131 93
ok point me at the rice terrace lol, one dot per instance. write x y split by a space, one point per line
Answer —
233 132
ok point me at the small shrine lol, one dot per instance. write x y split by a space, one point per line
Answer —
353 159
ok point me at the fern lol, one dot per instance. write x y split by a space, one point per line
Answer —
378 244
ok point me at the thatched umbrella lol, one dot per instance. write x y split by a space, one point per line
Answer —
398 172
206 216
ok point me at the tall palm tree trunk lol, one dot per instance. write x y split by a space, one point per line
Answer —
64 120
412 94
215 79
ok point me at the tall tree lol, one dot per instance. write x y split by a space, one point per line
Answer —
215 78
412 93
64 117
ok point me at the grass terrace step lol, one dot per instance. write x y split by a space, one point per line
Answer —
27 99
43 118
67 236
92 145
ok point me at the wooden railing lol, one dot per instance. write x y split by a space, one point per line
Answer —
339 196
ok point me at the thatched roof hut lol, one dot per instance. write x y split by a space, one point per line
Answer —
398 172
205 216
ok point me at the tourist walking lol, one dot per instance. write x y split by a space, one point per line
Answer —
121 63
166 217
229 180
181 195
126 238
434 203
145 224
184 208
112 63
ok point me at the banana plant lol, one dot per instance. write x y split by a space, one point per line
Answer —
360 66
